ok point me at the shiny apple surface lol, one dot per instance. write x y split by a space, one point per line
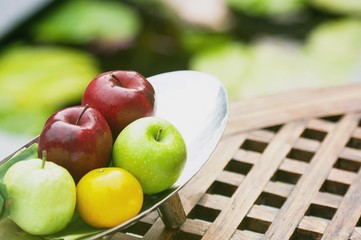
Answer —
196 104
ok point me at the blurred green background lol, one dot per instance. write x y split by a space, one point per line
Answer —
255 47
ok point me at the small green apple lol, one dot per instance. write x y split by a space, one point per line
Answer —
42 196
153 150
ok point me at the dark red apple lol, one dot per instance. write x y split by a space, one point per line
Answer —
77 138
121 96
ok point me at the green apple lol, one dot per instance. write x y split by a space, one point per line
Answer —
153 150
42 196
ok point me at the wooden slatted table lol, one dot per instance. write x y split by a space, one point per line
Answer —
287 167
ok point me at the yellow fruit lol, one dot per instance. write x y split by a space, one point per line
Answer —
107 197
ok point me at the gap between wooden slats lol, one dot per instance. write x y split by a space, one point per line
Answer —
310 182
246 194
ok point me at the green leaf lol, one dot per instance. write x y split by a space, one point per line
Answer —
336 41
228 62
80 22
349 7
334 47
37 81
195 40
9 230
267 7
23 154
77 229
4 202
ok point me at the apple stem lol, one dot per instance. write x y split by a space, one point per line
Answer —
158 134
82 113
43 158
113 76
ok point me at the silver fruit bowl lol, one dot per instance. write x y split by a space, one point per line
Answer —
196 103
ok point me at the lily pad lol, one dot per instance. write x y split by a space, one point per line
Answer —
228 62
349 7
336 41
330 56
335 48
36 81
82 22
267 7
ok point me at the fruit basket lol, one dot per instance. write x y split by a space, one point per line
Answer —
196 103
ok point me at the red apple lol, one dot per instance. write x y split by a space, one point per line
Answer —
77 138
121 96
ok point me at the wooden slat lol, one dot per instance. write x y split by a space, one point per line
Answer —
261 135
351 154
307 144
150 218
357 133
307 187
279 188
262 212
320 125
356 234
123 236
313 224
293 166
245 235
242 200
327 199
159 231
297 97
299 167
230 178
247 156
274 110
195 227
213 201
341 176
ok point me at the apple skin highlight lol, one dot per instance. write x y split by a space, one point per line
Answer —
77 145
42 199
121 97
153 150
